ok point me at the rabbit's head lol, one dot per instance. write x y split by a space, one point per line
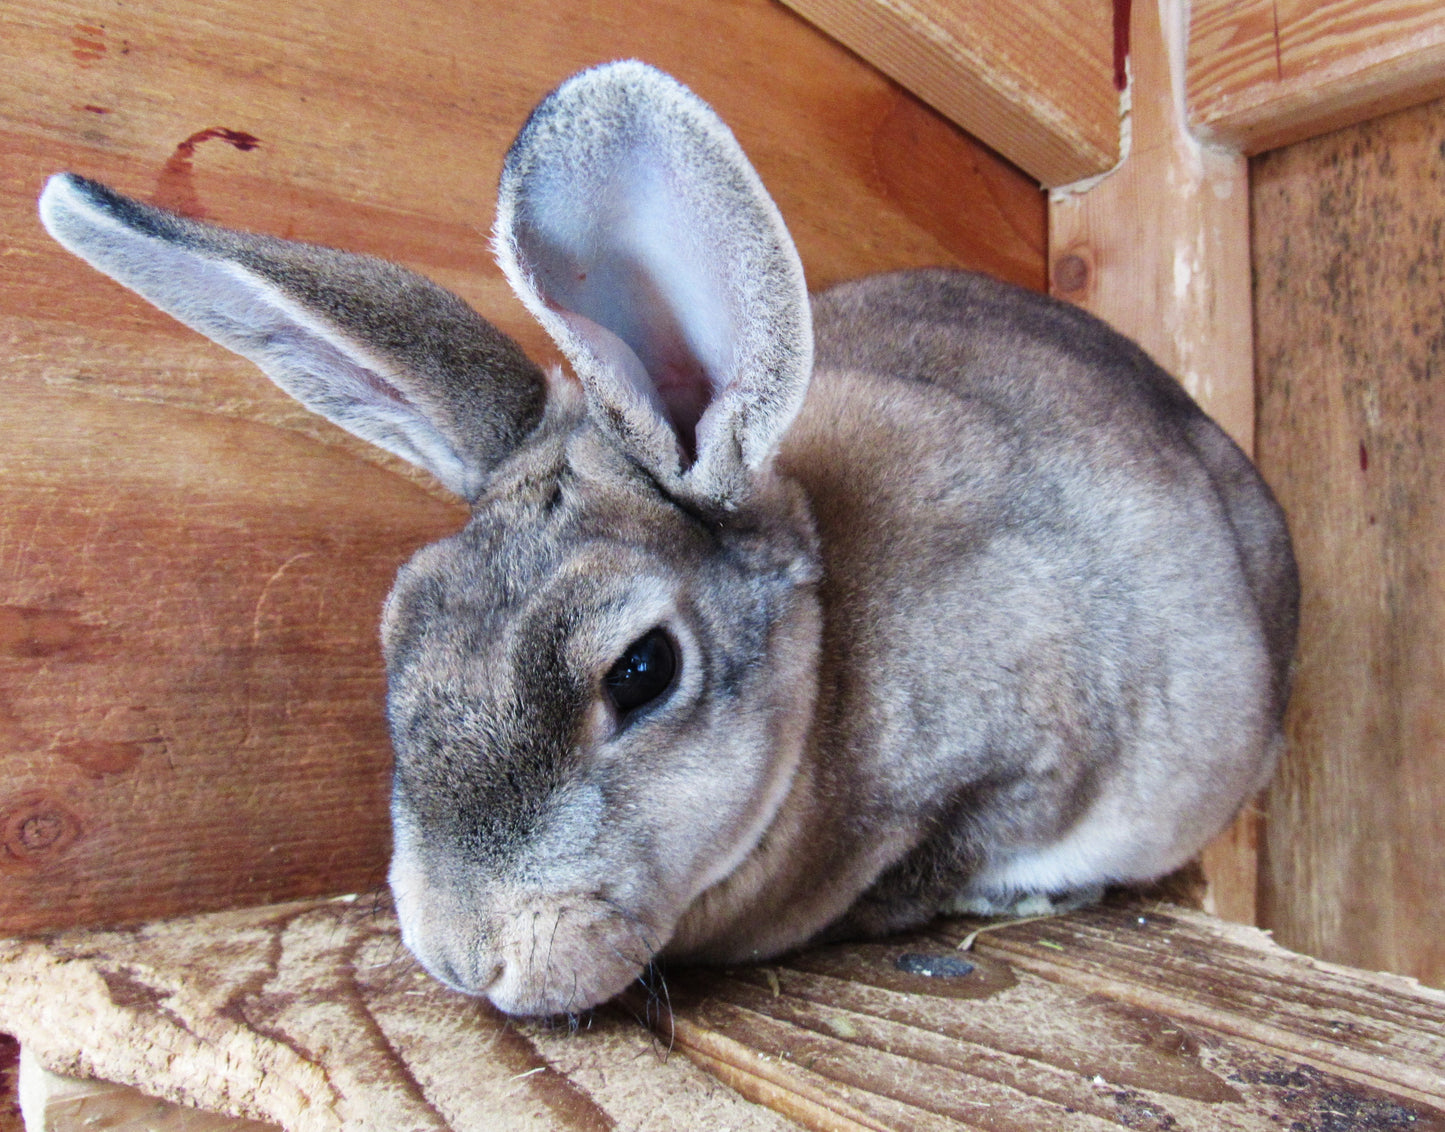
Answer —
599 690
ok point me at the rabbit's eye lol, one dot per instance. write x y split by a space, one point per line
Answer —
643 672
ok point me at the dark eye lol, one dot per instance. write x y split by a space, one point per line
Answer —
642 673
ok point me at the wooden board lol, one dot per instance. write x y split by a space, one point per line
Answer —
191 566
1133 1015
1159 249
54 1103
10 1116
1036 82
1349 231
1266 73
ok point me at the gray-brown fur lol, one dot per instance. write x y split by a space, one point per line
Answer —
969 603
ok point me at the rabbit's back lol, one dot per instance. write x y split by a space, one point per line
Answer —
1057 599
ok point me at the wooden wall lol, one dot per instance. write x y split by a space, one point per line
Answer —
1349 251
190 565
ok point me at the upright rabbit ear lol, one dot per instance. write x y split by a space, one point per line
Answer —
373 347
633 227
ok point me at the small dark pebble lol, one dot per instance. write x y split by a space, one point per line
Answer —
935 966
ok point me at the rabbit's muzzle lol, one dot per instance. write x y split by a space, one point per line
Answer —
529 953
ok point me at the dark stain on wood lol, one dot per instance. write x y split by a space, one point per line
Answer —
40 633
877 965
1349 262
1112 1014
99 758
1312 1101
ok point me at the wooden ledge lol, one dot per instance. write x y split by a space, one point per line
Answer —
1139 1015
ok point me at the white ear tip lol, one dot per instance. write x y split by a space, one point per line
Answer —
57 199
72 209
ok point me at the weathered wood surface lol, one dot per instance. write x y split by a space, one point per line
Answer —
54 1103
10 1118
1134 1015
191 565
1350 262
1266 73
1035 81
1159 249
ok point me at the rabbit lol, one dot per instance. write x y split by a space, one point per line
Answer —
784 619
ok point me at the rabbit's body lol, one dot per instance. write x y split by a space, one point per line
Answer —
773 627
1008 650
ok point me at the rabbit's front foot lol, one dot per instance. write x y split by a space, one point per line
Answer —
1017 906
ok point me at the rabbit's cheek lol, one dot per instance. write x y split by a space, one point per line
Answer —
724 806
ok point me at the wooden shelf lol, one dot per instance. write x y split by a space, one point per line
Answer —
1133 1014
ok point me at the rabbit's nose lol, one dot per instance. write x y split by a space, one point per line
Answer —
470 974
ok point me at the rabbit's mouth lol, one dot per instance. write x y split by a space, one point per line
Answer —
533 955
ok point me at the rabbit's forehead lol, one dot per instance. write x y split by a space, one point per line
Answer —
479 594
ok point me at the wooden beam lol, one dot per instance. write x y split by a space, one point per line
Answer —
1134 1015
1159 249
51 1102
1035 82
1265 73
1351 306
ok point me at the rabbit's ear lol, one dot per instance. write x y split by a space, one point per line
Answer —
636 231
373 347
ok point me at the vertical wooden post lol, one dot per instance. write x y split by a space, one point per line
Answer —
1348 231
1159 249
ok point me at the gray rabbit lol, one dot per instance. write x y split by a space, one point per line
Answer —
781 620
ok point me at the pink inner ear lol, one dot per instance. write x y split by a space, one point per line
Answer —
686 393
661 372
642 345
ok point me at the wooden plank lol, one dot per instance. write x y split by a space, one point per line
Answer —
191 565
11 1119
1351 301
311 1016
1135 1015
54 1103
1159 249
1034 82
1263 74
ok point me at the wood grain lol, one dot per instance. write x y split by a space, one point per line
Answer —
1035 82
191 565
1349 230
1159 249
1132 1015
1266 73
54 1103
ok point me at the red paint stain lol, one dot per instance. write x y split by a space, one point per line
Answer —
175 188
87 45
98 758
1122 11
1364 457
96 109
